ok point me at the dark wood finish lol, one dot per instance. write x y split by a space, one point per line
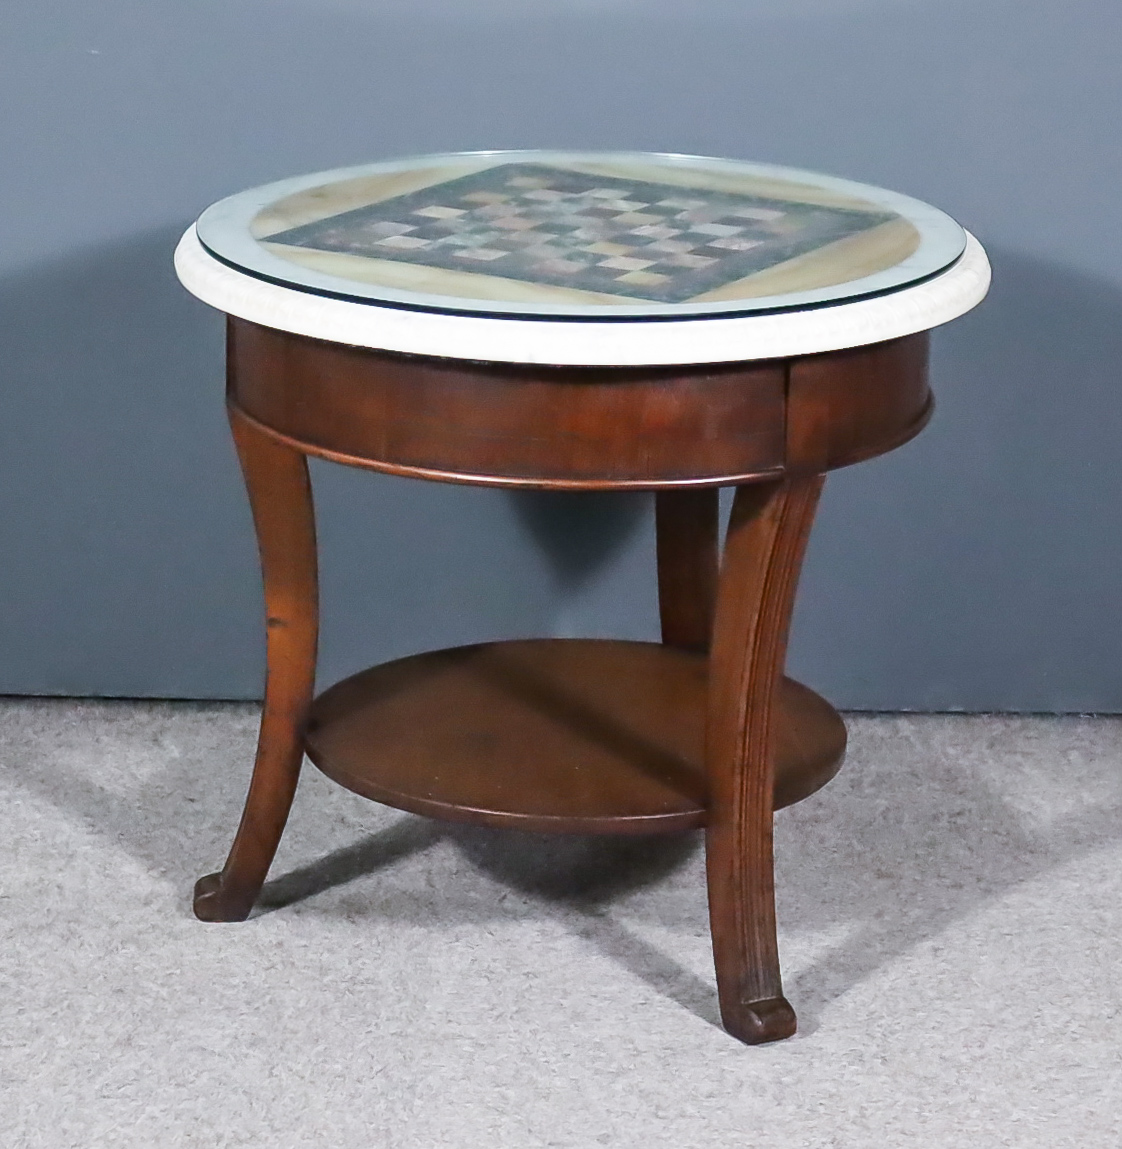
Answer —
569 735
280 495
512 425
846 406
687 531
766 538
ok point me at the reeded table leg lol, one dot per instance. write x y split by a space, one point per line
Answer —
280 495
686 531
763 553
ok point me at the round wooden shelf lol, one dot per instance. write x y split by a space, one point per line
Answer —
568 735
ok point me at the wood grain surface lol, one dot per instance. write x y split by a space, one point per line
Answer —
569 735
280 496
767 535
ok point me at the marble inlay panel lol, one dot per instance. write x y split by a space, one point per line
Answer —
583 234
607 235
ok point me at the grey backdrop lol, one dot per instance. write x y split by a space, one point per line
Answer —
977 568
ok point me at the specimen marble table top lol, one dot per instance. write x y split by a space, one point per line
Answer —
575 240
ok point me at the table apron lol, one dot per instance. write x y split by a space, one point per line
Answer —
577 428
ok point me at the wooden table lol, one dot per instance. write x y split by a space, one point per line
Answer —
579 322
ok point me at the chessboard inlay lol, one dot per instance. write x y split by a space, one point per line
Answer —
543 224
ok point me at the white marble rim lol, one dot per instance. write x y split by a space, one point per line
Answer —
224 229
721 339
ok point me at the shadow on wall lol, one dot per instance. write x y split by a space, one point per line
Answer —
579 532
979 567
975 569
130 565
117 481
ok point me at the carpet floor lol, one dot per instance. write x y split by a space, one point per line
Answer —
951 933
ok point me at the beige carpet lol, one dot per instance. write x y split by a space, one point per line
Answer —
951 913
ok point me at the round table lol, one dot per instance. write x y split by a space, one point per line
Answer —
577 321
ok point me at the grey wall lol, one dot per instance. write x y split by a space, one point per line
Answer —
977 568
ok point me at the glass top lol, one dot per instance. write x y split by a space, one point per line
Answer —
581 234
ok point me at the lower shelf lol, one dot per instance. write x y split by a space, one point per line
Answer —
569 735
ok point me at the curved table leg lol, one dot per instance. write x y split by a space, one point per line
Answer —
280 495
686 533
766 539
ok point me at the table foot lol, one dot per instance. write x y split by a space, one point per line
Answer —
217 902
758 1022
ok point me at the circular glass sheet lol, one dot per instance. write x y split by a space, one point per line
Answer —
582 234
